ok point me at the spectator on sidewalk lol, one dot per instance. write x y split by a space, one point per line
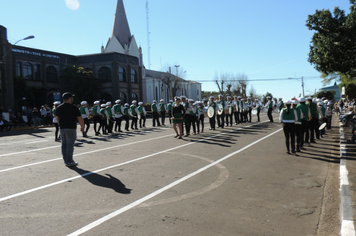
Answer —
36 117
29 115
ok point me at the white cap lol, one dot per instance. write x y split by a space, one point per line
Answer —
235 96
56 103
140 103
248 98
162 100
83 103
154 101
183 96
199 102
221 95
211 97
103 105
268 97
256 99
170 100
117 101
280 98
134 101
320 103
238 96
242 99
190 100
329 103
287 102
295 102
309 98
322 98
108 103
126 105
228 97
302 99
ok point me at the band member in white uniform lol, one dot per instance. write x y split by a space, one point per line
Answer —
143 114
97 117
270 106
258 106
200 114
84 111
118 111
248 109
212 103
236 110
229 103
242 110
221 118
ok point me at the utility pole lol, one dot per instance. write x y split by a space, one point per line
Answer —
303 86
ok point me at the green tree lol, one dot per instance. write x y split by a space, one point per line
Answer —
82 83
333 46
328 94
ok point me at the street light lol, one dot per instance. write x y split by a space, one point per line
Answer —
302 83
28 37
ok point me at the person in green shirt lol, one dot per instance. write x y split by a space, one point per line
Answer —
221 118
288 117
126 116
134 113
84 111
104 113
97 118
155 114
230 106
141 109
162 111
169 110
110 117
298 124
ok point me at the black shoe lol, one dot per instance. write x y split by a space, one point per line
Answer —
298 150
288 152
312 141
303 148
293 151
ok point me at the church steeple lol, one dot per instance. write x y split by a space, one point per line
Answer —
121 29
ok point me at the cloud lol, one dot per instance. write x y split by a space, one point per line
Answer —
72 4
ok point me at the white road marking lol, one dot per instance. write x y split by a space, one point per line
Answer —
33 150
117 165
37 142
84 153
132 205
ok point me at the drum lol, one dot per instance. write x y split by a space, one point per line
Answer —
221 109
265 109
322 126
139 115
210 112
276 110
254 112
231 108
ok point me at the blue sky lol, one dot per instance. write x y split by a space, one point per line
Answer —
262 39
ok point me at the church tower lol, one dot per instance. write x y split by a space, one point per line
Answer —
121 40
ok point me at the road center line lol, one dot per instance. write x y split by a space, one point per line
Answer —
117 165
132 205
37 142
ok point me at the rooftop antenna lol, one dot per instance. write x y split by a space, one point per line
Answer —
148 36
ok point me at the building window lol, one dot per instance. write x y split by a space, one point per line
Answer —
18 68
38 72
52 75
27 71
122 74
133 76
104 73
134 96
123 97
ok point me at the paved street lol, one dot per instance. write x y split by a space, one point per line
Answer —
232 181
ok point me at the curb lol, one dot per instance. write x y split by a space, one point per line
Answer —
346 208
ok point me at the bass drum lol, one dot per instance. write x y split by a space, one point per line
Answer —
231 108
276 110
254 112
210 112
221 109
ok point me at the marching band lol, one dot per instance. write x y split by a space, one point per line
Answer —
302 119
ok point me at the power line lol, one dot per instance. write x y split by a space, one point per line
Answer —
262 80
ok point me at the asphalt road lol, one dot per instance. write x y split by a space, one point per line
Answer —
232 181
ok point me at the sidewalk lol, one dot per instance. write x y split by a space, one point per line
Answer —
347 182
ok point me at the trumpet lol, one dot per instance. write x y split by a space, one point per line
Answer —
91 114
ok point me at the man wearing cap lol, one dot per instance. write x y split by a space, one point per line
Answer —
155 115
84 111
169 110
200 116
126 115
134 113
314 122
118 111
186 106
67 115
191 117
97 117
141 109
280 104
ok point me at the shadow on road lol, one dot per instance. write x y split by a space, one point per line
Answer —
105 181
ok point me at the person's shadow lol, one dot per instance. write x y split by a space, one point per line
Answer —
103 181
